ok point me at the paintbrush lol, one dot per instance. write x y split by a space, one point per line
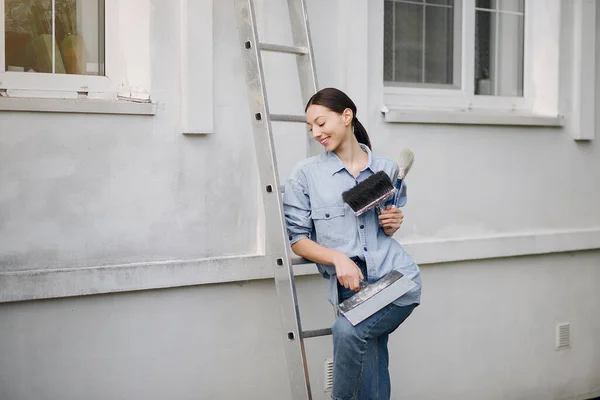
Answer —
376 189
405 163
369 193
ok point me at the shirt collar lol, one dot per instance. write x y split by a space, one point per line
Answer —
336 165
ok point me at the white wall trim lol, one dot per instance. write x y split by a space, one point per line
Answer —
586 396
63 282
505 245
85 106
473 117
353 61
66 282
584 70
196 74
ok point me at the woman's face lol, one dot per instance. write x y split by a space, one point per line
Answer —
328 127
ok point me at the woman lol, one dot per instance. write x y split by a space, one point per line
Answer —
346 249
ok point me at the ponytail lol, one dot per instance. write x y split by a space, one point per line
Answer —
361 133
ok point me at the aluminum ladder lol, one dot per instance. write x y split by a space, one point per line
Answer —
278 251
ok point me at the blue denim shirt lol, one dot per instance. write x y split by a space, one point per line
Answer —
314 209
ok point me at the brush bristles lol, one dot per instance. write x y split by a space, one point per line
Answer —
370 192
405 162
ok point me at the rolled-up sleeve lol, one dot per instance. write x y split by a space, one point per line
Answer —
296 208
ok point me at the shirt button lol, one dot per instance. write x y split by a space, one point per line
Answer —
326 215
290 237
364 248
362 227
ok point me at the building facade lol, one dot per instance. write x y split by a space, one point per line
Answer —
131 226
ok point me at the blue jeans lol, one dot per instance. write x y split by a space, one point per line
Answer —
360 353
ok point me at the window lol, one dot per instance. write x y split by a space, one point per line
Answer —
472 48
420 47
499 47
53 51
54 36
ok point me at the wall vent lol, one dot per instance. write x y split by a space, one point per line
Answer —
328 374
563 335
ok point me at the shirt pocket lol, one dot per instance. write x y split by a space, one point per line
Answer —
330 226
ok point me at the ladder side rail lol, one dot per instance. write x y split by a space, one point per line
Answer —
301 37
306 63
278 251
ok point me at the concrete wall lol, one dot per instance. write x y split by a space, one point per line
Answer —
485 330
86 190
96 190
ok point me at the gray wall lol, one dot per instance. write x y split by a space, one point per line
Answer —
87 190
485 330
83 190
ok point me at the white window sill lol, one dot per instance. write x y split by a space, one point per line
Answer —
472 117
85 106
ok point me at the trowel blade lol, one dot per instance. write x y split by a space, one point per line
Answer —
375 296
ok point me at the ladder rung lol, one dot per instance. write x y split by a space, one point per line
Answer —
279 48
288 118
316 333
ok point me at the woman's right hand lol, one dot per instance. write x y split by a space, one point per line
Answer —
348 273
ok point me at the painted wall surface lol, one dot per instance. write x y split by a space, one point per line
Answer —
82 190
485 330
85 190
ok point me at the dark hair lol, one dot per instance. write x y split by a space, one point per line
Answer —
338 101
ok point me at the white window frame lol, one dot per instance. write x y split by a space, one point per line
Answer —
125 87
67 86
403 100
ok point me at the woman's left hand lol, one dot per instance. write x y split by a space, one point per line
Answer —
390 220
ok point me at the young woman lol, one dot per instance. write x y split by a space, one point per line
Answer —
346 248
